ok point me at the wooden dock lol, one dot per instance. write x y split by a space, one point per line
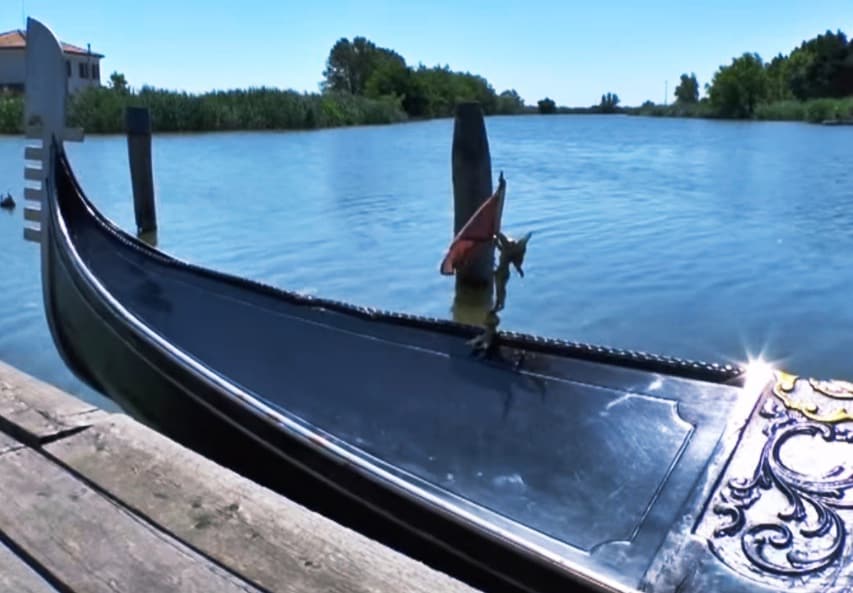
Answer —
96 502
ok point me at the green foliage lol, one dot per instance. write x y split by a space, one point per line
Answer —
778 79
362 68
822 67
699 109
687 90
818 110
609 103
786 110
101 110
351 64
509 103
737 89
118 83
11 113
547 106
439 89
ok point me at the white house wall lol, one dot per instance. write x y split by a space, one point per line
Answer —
75 83
13 69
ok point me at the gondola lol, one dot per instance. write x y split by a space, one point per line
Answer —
544 466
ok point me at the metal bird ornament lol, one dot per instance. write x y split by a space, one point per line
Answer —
512 253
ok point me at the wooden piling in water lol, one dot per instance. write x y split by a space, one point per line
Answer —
138 126
472 185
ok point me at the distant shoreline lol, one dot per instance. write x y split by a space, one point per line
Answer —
99 117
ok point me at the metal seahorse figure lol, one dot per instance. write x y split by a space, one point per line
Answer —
511 254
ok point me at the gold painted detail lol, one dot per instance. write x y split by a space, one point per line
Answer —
833 389
816 400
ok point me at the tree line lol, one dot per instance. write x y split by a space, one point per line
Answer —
813 82
362 68
364 83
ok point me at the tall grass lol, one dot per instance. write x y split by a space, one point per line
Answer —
101 110
701 109
813 110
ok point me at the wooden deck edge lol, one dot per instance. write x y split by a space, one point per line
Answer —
34 412
255 533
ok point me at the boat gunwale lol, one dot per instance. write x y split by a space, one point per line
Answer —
728 374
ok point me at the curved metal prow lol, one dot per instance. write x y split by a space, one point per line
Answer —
46 90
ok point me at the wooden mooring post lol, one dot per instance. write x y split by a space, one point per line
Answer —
138 126
472 185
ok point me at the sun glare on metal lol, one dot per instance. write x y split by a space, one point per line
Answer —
759 373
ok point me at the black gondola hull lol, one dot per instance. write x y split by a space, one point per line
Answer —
504 471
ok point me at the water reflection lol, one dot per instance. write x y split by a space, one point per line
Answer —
470 305
149 237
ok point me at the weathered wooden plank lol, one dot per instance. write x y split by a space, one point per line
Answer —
34 411
8 443
17 577
270 540
89 543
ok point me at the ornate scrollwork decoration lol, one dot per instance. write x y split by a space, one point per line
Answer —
807 536
816 400
784 510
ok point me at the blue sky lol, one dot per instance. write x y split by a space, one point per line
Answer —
570 51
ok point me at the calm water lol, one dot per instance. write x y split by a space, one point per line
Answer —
709 240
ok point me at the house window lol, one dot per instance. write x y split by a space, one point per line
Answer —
84 70
68 68
96 72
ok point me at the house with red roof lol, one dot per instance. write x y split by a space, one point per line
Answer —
82 66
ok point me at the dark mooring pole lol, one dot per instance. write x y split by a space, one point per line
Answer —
472 185
138 125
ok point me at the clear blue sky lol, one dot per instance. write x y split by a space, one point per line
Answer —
570 51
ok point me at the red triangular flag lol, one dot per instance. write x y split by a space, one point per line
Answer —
480 228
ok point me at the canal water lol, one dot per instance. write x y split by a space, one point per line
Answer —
719 241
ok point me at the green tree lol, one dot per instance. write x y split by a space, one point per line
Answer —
738 88
609 103
351 64
118 83
779 79
389 77
439 89
547 106
687 90
509 103
822 67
